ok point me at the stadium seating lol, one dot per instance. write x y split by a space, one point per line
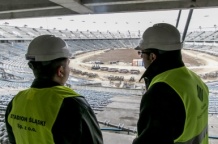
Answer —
16 75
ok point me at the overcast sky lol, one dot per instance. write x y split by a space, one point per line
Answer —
205 18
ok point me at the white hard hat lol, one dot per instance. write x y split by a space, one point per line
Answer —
161 36
46 48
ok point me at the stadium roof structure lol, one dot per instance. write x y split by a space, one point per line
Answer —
26 33
12 9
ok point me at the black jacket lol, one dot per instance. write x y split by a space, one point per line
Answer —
162 113
75 124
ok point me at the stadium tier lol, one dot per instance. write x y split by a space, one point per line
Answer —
15 73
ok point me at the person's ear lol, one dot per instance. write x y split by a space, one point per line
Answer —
153 57
60 71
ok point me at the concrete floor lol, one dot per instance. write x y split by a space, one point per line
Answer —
123 110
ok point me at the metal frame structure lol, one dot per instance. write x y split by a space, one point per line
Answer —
13 9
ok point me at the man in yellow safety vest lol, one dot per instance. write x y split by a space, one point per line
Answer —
49 112
174 109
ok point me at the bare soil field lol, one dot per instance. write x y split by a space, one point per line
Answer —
122 55
200 63
127 55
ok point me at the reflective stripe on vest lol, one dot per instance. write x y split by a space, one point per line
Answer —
197 139
194 94
34 112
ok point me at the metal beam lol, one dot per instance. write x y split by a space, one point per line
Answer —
24 4
108 6
137 7
177 22
29 8
36 13
200 3
187 24
118 2
73 5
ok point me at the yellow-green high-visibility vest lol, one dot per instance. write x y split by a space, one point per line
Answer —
34 112
194 94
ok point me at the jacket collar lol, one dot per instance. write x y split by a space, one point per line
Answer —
43 83
164 62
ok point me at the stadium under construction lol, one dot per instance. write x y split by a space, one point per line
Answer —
115 98
16 75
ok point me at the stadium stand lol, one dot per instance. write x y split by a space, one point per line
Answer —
203 41
16 75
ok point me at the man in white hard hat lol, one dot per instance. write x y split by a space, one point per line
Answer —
174 109
48 112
